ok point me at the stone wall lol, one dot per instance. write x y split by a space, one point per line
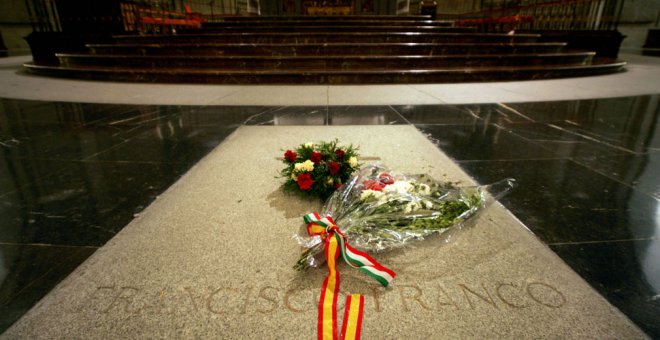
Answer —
14 25
636 19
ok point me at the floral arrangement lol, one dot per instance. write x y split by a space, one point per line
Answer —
379 210
318 169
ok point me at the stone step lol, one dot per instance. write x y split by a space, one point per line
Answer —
329 37
333 18
325 28
358 62
323 22
325 49
324 76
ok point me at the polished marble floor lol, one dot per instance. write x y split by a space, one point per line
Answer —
72 175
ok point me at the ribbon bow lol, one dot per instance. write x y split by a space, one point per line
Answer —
336 244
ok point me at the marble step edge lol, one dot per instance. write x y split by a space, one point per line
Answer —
359 60
498 72
597 62
334 49
585 54
329 45
327 49
326 33
325 25
340 37
306 29
334 24
233 18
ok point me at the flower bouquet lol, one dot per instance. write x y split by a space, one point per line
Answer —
318 169
379 210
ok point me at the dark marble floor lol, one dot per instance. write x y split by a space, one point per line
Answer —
73 175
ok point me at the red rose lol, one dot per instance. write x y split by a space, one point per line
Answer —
385 178
290 156
376 187
372 185
340 153
334 168
316 157
338 185
305 181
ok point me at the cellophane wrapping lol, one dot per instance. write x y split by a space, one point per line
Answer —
379 210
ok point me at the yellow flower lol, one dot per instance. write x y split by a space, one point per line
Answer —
304 166
309 145
294 176
353 161
308 165
329 181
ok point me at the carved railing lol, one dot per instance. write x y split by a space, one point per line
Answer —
216 10
329 10
154 17
542 15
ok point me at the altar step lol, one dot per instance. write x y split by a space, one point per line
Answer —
321 49
378 19
325 27
327 76
327 50
321 37
334 22
358 62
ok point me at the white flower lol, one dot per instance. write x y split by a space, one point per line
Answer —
309 145
371 194
298 167
428 205
411 206
423 189
399 187
294 176
353 161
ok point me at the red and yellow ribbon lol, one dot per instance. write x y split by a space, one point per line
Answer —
335 245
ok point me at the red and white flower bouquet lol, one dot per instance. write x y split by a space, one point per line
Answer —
318 169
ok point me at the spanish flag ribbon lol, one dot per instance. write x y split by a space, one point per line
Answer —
336 245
